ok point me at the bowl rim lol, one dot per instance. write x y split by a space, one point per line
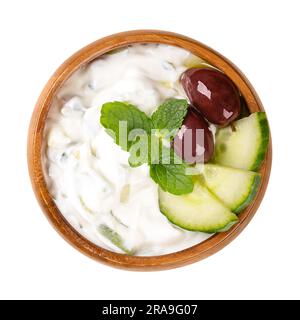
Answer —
34 152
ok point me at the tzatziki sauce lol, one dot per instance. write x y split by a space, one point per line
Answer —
108 202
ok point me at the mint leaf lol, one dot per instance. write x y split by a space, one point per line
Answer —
169 115
121 119
172 178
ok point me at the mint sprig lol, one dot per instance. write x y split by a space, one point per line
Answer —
144 139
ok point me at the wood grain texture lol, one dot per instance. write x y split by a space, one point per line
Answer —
35 137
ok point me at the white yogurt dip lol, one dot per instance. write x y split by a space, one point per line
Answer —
88 174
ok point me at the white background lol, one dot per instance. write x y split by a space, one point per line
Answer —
260 37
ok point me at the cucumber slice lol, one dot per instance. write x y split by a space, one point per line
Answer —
246 147
235 187
199 210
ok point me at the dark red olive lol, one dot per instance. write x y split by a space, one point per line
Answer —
192 145
213 94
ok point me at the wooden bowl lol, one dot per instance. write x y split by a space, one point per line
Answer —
35 137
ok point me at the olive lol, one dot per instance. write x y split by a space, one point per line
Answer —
213 94
194 141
